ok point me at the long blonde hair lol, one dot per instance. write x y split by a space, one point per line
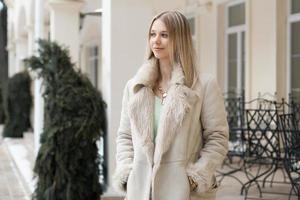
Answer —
182 50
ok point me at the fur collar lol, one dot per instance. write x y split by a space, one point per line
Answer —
147 75
178 103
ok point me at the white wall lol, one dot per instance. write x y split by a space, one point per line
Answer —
262 35
165 5
125 25
208 41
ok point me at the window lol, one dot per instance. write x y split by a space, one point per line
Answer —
294 49
236 15
192 23
295 56
93 65
295 6
235 48
232 61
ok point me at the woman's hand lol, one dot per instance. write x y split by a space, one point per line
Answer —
193 184
124 186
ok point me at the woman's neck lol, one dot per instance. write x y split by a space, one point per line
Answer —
165 68
162 84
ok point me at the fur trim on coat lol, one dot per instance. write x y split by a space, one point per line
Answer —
192 127
120 178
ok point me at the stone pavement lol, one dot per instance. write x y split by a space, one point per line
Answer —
11 187
230 188
17 157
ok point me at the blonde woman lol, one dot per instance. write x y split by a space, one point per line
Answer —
173 131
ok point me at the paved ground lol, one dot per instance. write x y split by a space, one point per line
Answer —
11 187
230 188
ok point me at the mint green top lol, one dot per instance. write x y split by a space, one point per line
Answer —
157 111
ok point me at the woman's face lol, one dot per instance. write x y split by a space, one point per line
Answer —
159 40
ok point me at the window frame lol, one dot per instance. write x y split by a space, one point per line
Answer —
290 9
195 26
292 18
192 12
90 58
238 30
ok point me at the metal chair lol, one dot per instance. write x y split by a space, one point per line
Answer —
234 105
262 147
294 102
291 142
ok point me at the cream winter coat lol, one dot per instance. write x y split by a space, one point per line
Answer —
191 140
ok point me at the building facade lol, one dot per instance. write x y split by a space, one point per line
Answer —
251 46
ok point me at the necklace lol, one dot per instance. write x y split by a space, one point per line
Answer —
163 95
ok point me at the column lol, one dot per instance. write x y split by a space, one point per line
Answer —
30 44
124 32
10 40
38 99
11 57
21 53
64 15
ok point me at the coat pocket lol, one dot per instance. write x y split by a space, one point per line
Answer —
210 194
128 183
214 186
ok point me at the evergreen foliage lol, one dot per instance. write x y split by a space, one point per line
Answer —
17 105
67 165
2 115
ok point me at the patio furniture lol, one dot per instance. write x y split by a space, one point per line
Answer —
291 142
234 104
264 151
294 102
262 146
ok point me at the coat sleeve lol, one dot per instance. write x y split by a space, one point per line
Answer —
124 155
215 138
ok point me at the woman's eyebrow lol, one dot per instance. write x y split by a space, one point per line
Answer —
159 31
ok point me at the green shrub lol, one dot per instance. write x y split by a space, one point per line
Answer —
67 165
17 105
2 115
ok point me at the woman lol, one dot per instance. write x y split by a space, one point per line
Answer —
173 131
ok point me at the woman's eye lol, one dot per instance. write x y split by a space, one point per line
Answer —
152 34
164 35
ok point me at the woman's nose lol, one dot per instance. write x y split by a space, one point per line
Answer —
157 39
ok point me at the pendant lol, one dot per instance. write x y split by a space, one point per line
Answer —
163 96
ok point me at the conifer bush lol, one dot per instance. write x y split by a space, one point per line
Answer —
17 105
67 165
2 115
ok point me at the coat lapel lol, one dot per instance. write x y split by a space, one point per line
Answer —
178 103
141 109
